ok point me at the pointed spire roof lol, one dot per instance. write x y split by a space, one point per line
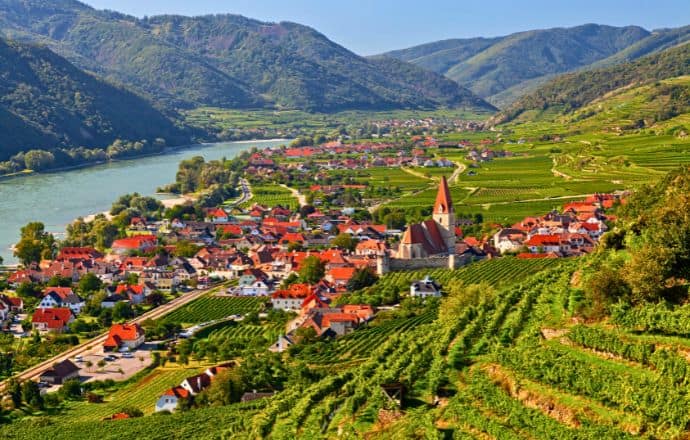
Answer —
444 203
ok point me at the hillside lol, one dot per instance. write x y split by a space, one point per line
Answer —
581 348
572 91
228 61
46 102
503 69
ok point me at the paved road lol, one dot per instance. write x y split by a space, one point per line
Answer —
246 193
35 371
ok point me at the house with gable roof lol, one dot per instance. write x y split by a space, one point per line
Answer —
61 297
124 336
54 320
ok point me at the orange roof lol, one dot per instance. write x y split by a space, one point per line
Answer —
136 242
342 273
126 288
444 203
178 392
122 332
294 291
53 318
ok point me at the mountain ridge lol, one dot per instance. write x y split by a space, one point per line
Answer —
47 103
229 61
501 69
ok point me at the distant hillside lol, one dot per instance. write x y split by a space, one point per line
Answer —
503 69
572 91
46 102
226 60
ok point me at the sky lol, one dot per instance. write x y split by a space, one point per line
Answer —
369 27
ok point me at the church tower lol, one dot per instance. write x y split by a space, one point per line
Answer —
444 215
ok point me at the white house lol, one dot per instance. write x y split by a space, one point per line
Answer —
425 288
169 400
55 297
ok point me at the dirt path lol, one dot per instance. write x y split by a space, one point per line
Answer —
412 172
301 198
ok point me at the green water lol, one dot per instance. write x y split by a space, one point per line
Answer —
58 198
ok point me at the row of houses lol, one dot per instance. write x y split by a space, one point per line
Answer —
573 231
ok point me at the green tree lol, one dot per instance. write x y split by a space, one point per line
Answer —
38 160
71 389
90 283
312 270
122 311
344 241
226 388
34 244
14 389
31 394
59 281
362 278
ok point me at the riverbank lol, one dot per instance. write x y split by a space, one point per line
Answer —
57 199
166 150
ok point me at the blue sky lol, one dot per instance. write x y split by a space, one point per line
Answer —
373 26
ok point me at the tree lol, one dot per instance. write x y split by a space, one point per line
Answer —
362 278
312 270
122 311
226 388
344 241
90 283
14 389
71 389
59 281
38 160
104 233
34 244
156 298
31 394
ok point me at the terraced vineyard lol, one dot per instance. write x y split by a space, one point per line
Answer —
361 344
141 394
209 308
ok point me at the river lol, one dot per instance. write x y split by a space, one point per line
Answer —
58 198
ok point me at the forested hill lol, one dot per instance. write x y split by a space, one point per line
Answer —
226 60
46 102
572 91
503 69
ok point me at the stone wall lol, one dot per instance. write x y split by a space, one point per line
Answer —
426 263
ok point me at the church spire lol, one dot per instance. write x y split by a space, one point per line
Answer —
444 203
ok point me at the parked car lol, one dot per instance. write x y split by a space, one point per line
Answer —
79 358
110 358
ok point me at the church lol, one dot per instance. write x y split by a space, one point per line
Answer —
429 244
435 236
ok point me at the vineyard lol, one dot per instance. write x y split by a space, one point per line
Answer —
209 308
496 272
510 366
272 196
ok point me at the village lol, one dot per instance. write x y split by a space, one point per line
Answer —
303 265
